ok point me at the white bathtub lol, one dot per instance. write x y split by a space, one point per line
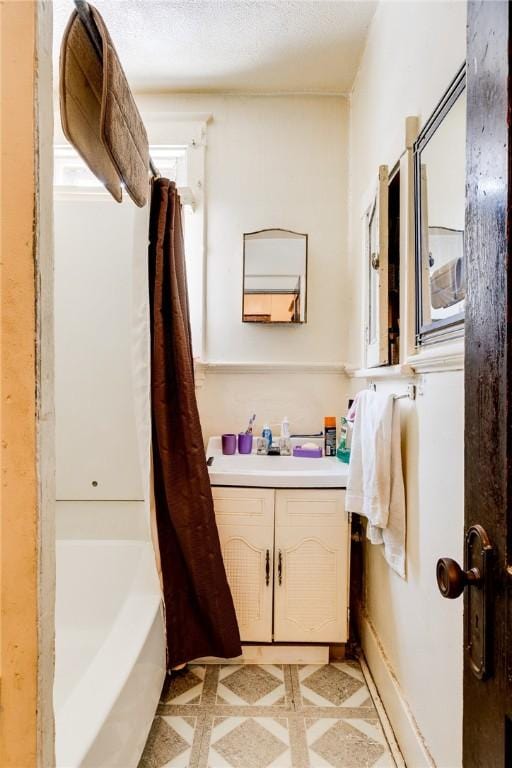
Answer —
110 652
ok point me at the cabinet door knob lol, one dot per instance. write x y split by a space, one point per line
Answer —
280 567
267 568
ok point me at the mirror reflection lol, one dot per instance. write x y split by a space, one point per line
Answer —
442 196
275 275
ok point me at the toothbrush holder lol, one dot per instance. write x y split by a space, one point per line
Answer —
244 442
228 444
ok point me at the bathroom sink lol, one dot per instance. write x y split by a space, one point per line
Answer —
273 471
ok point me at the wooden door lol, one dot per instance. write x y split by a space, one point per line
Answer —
311 566
487 575
488 449
245 519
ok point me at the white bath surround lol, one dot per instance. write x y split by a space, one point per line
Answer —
110 637
109 651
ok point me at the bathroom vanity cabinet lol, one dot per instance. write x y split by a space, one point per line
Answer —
286 553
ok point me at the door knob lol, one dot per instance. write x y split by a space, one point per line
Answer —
452 580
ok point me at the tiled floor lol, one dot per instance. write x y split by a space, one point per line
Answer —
268 717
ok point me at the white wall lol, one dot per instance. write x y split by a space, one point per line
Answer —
412 637
226 400
271 162
276 162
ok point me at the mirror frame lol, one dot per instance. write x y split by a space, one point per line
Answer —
276 322
449 327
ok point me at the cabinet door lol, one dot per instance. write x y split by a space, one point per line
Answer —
311 566
245 519
376 236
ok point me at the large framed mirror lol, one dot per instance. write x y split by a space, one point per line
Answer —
440 180
275 277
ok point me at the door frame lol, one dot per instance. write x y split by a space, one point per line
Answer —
27 491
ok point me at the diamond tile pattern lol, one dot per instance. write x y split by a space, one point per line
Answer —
169 742
333 685
342 744
187 687
252 684
238 733
267 716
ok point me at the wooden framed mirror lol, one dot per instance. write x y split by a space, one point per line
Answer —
440 179
275 269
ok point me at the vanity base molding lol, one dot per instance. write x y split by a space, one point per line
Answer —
275 654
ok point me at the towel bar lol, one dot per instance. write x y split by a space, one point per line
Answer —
410 394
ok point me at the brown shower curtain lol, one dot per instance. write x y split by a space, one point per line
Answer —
200 616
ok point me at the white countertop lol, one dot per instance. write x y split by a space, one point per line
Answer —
255 471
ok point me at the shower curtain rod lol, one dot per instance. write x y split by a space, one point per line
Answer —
84 12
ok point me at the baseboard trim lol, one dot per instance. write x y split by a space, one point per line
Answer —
275 654
383 717
405 728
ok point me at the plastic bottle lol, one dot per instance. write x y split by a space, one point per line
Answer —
267 433
346 431
343 450
330 435
285 444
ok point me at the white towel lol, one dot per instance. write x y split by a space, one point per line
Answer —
375 485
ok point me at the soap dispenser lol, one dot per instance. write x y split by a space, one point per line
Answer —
285 443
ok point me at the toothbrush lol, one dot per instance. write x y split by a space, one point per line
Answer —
248 431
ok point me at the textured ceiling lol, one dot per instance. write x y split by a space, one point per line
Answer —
266 46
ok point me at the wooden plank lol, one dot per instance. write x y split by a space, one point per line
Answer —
18 461
487 358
